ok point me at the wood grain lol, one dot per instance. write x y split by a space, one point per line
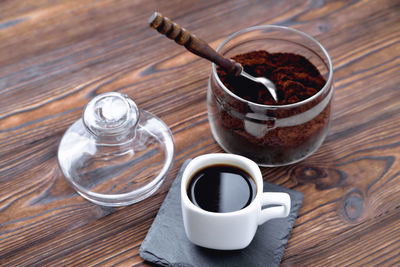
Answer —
56 55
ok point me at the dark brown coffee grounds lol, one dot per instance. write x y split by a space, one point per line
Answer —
271 136
295 77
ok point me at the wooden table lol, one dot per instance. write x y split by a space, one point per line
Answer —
57 55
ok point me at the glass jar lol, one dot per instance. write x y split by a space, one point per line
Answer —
116 154
271 135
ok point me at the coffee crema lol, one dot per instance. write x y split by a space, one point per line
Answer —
221 188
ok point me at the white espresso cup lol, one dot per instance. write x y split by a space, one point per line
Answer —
229 230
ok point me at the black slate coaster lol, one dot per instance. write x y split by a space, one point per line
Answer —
166 243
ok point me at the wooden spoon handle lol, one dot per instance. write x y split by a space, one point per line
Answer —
192 43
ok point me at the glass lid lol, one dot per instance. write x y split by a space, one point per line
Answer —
116 154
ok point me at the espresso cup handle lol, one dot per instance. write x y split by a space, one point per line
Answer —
274 198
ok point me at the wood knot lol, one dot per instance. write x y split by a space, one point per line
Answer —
322 178
308 173
324 27
353 205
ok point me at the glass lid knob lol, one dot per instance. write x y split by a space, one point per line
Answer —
110 114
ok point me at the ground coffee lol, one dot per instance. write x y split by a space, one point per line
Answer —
271 136
294 76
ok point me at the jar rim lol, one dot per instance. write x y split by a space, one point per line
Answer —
275 27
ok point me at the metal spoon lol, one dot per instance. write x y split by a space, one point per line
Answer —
199 47
266 82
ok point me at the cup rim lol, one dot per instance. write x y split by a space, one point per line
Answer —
275 27
222 157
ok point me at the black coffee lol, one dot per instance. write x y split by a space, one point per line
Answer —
221 188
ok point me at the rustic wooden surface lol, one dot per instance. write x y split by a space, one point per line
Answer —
56 55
